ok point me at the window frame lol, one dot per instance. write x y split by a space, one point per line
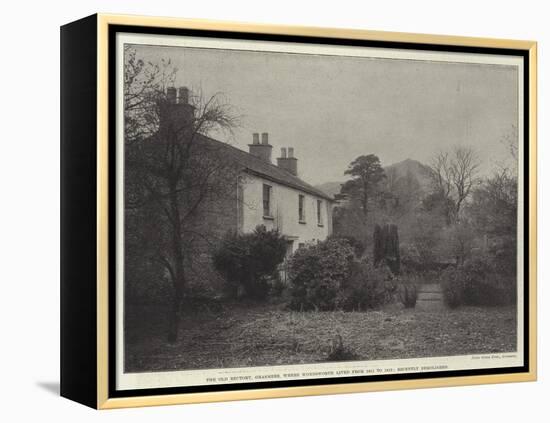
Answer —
301 208
267 212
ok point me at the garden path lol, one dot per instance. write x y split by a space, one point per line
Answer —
430 297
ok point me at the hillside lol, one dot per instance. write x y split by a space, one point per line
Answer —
399 170
330 188
411 167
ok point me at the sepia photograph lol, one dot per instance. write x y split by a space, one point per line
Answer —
292 211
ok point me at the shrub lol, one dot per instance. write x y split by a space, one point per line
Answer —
367 287
453 287
276 285
248 262
408 291
386 247
339 352
477 282
355 243
410 259
197 299
318 272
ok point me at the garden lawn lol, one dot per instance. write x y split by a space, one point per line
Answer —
259 335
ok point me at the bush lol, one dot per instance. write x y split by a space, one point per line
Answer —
367 287
318 272
408 291
453 287
477 282
339 352
355 243
248 262
386 247
326 276
276 285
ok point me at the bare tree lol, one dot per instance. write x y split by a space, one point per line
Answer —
441 198
464 168
511 141
143 83
440 174
170 163
453 176
494 205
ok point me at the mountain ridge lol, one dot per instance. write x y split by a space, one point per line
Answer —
400 169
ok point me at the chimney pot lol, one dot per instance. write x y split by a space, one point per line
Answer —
183 95
171 94
263 150
287 161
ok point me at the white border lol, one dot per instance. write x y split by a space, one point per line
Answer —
276 373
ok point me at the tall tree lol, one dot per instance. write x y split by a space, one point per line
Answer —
366 173
494 205
464 174
166 164
454 175
441 199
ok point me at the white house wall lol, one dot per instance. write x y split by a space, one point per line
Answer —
284 208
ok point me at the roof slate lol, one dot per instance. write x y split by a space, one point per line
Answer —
256 166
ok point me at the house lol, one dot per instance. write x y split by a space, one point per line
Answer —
256 191
274 196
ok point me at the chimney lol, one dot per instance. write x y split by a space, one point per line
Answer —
177 113
171 95
183 95
263 150
288 163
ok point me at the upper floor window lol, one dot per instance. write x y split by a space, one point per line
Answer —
301 208
267 200
319 213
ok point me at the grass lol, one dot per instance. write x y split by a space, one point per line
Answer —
260 335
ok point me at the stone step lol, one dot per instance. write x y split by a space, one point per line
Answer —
430 296
430 287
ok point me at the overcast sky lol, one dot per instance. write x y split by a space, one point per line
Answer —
333 109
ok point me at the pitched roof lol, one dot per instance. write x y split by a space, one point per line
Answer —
256 166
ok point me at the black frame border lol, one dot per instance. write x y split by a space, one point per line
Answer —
114 29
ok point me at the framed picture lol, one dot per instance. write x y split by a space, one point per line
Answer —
254 211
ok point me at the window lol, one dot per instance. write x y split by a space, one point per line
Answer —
301 208
267 200
319 215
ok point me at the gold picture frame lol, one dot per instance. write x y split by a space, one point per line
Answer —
86 379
